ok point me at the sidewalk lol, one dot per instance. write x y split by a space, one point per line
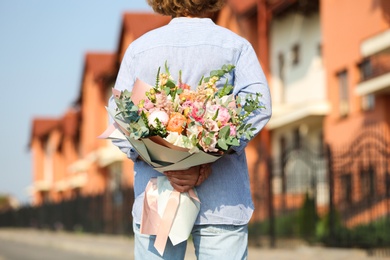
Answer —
120 247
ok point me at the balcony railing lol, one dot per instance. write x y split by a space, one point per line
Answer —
374 66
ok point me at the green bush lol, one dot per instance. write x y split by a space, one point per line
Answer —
285 226
372 235
300 223
307 219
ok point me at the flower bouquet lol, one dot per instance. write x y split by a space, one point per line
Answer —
174 127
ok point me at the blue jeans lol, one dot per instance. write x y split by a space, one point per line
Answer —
210 242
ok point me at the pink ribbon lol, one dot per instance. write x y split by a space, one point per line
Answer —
151 223
150 219
167 221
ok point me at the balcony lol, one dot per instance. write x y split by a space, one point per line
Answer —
375 67
284 115
42 185
374 74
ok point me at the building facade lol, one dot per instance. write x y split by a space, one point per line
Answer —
329 80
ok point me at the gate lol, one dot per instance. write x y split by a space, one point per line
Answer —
360 192
300 192
339 197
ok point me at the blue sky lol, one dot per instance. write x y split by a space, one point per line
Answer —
42 48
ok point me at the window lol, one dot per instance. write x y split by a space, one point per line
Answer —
45 198
296 139
319 49
281 75
321 147
368 102
346 189
295 53
387 184
365 69
367 183
343 92
282 147
115 183
281 67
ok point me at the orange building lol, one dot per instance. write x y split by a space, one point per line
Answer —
329 79
356 53
68 158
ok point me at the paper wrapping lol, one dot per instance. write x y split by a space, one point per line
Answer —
166 212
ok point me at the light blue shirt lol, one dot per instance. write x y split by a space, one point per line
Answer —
196 46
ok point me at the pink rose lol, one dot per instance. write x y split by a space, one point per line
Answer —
233 130
197 111
148 104
223 115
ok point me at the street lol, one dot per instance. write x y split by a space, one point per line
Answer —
12 250
30 244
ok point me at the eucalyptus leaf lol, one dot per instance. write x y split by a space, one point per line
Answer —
222 144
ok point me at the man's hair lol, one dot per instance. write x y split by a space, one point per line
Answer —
194 8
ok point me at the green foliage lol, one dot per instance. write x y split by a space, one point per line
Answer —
139 129
219 73
300 223
307 219
285 226
372 235
226 90
126 108
251 104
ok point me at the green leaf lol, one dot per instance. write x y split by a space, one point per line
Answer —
170 84
167 90
157 78
167 68
222 144
224 132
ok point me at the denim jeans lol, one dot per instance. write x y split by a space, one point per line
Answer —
226 242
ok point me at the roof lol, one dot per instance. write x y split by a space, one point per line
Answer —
41 127
68 124
99 63
242 6
281 7
137 24
140 23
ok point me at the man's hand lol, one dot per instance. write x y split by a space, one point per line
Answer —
184 180
204 173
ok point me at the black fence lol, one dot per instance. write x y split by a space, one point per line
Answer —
109 212
338 197
360 192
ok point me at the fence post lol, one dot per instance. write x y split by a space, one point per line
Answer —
331 192
271 208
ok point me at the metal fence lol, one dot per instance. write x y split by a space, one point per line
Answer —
360 192
336 196
339 196
109 212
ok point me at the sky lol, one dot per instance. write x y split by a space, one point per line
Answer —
42 48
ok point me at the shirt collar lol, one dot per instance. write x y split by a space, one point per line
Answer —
192 20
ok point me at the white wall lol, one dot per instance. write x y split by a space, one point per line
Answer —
306 80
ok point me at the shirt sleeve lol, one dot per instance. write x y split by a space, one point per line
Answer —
249 78
124 80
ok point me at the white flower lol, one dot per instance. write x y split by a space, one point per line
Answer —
162 116
177 139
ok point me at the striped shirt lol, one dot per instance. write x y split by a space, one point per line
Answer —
196 46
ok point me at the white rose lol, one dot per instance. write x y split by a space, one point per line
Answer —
162 116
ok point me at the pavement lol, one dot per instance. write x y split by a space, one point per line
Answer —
121 247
